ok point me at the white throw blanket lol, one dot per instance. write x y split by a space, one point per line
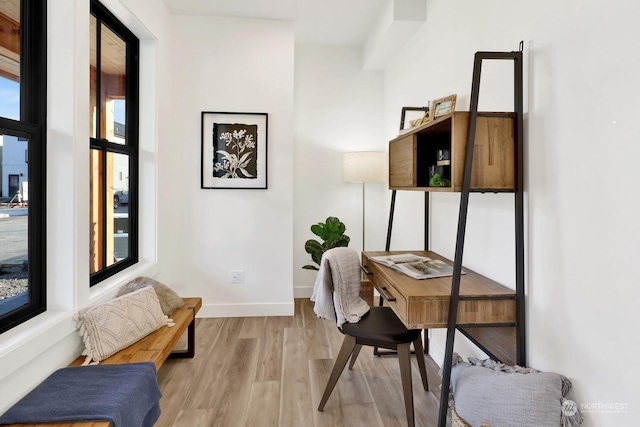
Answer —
340 266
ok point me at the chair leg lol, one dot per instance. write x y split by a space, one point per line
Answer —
348 345
417 345
404 358
354 355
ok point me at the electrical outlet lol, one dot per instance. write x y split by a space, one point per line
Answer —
237 276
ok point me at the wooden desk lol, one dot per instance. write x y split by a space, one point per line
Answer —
424 304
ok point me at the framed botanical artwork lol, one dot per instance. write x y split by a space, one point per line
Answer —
234 150
443 106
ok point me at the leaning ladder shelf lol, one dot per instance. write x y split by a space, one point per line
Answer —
516 57
478 336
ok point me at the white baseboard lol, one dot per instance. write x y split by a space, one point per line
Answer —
303 292
246 310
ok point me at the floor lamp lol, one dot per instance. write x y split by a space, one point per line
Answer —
362 167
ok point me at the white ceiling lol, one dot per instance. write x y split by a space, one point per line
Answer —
346 22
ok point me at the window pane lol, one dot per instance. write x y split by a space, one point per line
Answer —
120 179
14 265
109 242
93 82
113 62
10 59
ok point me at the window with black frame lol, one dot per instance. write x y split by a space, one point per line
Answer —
23 168
113 144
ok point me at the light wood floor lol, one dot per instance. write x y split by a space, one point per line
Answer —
271 371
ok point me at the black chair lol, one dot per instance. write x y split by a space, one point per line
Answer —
380 327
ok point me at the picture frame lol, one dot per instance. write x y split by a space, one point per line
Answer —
234 150
416 115
443 106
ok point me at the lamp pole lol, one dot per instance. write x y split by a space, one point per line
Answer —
363 209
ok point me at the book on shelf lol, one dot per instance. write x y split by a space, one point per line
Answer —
418 267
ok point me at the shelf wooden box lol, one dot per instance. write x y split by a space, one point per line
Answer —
411 153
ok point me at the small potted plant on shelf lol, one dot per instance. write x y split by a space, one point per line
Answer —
437 181
332 234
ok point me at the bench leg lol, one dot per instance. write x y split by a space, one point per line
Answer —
191 342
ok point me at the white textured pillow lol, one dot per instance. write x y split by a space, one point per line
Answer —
111 326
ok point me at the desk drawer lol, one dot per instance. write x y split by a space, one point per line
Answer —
392 296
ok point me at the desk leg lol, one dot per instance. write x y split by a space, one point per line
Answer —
377 352
190 352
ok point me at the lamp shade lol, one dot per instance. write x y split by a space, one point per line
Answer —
363 166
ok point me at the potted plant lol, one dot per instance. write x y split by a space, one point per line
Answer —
332 234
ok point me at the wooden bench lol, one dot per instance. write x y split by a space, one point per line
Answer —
155 347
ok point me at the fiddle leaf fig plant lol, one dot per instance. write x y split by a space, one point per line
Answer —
332 234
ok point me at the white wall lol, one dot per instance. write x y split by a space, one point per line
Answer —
338 108
228 65
581 164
